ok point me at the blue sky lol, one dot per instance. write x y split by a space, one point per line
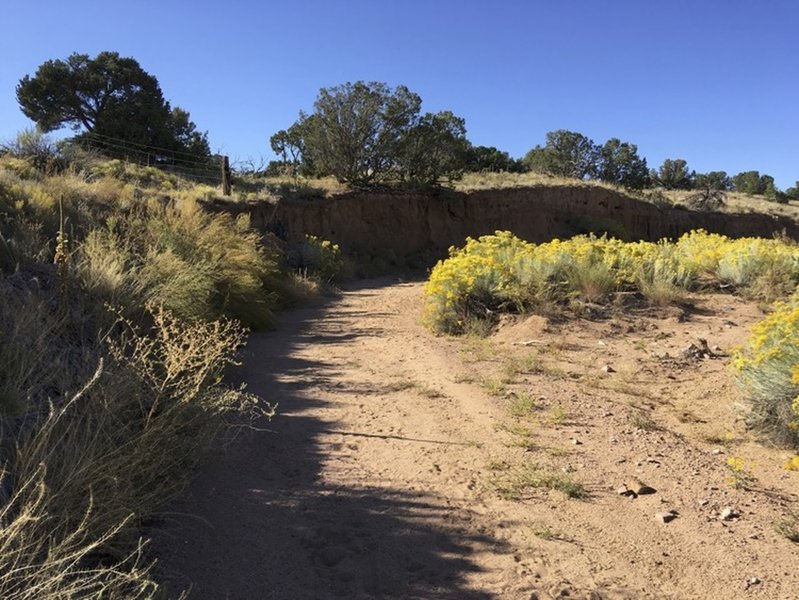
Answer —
715 82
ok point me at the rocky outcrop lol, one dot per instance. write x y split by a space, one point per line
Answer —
410 226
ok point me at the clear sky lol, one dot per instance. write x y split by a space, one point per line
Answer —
715 82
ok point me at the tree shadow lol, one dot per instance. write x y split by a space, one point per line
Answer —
262 520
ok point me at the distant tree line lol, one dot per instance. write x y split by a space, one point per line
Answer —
363 134
367 133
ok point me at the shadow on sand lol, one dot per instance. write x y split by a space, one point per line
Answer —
261 521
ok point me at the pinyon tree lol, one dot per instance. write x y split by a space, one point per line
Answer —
111 99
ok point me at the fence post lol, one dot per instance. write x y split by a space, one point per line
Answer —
225 176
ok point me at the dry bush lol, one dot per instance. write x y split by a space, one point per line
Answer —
84 468
85 463
197 265
34 565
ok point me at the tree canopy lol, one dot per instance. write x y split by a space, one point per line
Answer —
713 180
753 182
434 149
618 162
673 174
111 99
367 133
566 154
490 159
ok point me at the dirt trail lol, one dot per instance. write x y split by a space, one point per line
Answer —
378 477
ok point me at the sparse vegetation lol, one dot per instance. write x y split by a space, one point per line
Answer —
788 526
523 404
740 476
517 483
641 420
558 415
494 386
545 532
112 362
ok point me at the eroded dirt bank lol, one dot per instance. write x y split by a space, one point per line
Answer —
402 226
404 465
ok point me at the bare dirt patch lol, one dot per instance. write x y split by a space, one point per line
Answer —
405 465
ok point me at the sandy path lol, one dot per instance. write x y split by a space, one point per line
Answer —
370 483
364 487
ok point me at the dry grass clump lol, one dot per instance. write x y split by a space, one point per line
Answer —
85 462
129 247
503 180
197 265
103 420
89 456
519 483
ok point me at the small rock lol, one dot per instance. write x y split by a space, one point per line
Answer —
728 514
625 491
666 517
751 581
641 488
576 442
608 369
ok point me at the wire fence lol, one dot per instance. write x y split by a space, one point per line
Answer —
183 164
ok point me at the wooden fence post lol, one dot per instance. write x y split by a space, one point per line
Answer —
225 176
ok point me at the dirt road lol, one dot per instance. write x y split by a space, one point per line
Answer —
393 470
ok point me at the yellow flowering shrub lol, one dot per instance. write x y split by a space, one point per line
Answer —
482 276
502 272
767 368
700 251
763 268
321 257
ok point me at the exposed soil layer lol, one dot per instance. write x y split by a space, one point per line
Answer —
419 228
405 465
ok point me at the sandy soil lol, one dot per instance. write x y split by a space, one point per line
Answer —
405 465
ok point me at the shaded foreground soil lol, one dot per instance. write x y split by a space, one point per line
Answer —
404 465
